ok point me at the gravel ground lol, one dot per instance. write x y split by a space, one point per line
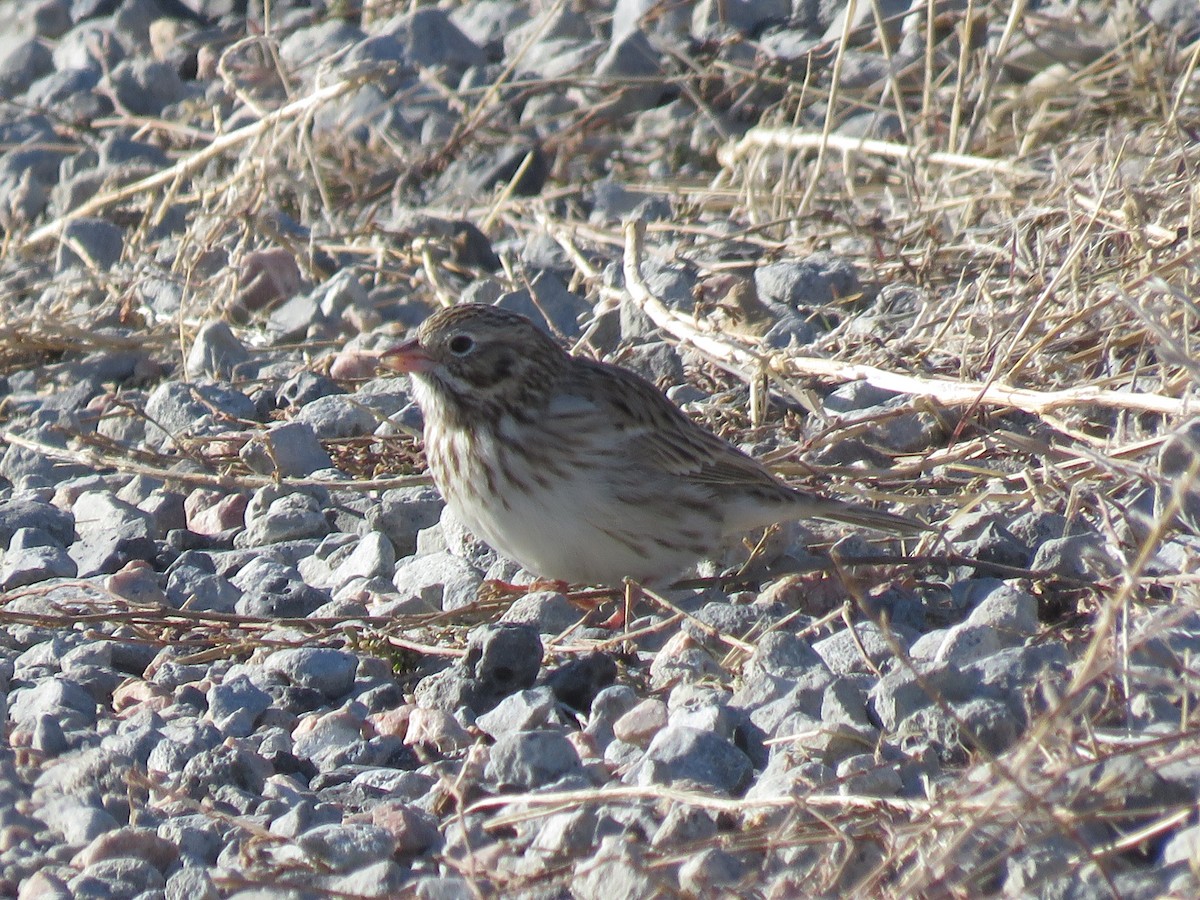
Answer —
244 650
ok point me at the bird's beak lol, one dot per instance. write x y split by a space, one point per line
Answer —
407 357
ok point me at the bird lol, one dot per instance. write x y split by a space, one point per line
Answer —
581 471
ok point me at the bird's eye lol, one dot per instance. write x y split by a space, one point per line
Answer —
461 344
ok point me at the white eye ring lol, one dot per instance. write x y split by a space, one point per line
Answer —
461 344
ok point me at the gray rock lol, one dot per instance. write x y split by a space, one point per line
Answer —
987 724
297 318
271 588
381 879
488 22
700 706
215 352
904 690
48 737
112 534
92 244
1035 527
386 396
402 513
145 86
135 737
98 513
34 514
304 387
909 432
657 362
523 711
608 706
551 306
91 44
997 544
548 611
77 822
183 738
372 557
332 740
190 587
329 671
572 834
120 877
273 517
190 883
784 655
503 658
527 760
631 64
618 872
681 755
865 775
227 773
431 40
684 826
613 202
70 92
672 282
24 63
712 20
444 887
235 705
1183 846
289 449
819 280
856 396
1016 672
177 408
306 47
58 697
842 655
338 416
968 642
340 293
1082 556
1010 610
790 331
442 580
344 848
35 564
577 682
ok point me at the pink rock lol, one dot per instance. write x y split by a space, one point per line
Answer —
391 721
640 724
210 512
136 694
354 365
437 729
267 277
139 843
413 831
137 581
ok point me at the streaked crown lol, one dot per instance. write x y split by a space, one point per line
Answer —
482 355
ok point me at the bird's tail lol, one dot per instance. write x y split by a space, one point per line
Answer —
863 516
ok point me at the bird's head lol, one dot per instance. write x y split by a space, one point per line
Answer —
475 355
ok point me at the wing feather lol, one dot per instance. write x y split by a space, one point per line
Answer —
652 431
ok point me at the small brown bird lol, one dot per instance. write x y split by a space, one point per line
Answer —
578 470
